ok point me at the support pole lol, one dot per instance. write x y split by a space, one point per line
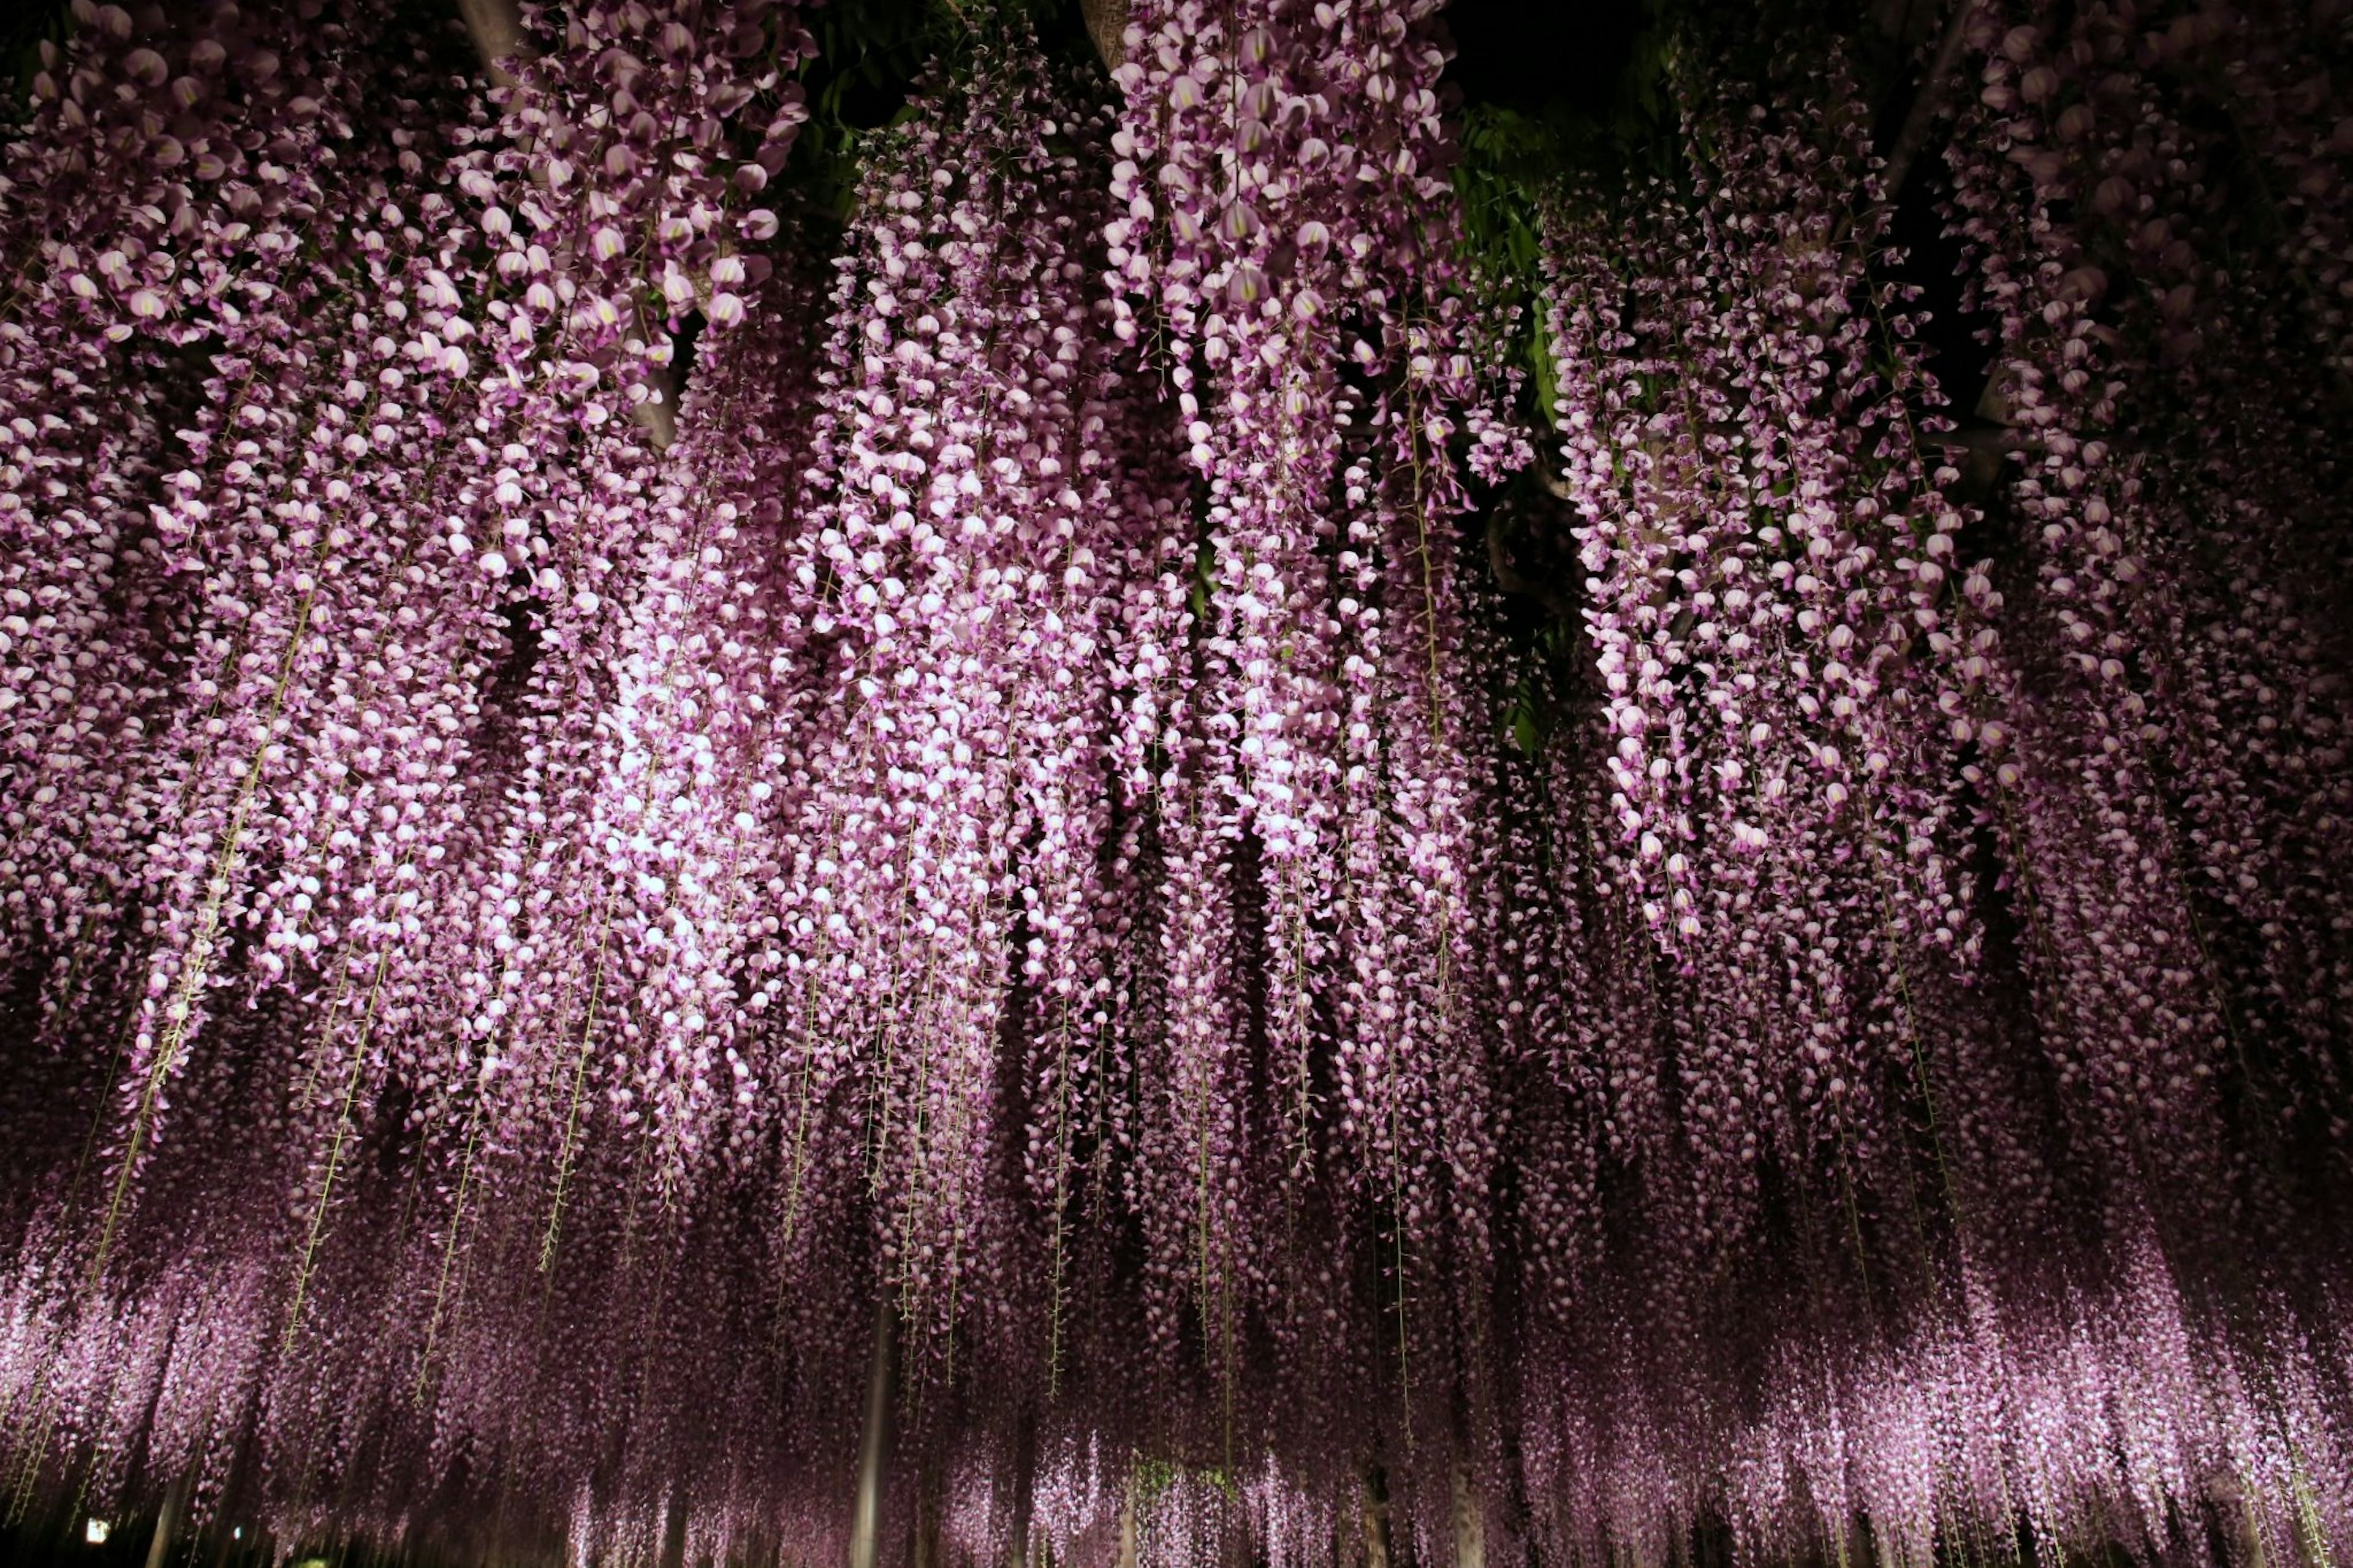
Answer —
1025 1462
874 1443
1374 1515
1127 1523
1470 1520
167 1522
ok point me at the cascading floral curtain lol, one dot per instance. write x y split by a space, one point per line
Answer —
606 770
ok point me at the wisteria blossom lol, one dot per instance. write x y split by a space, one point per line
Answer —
720 843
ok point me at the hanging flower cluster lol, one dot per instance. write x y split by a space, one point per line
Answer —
2177 812
1287 253
633 816
1789 677
969 558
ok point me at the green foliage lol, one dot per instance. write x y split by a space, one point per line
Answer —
1509 163
871 55
1515 166
868 56
22 32
1156 1477
1513 163
1535 707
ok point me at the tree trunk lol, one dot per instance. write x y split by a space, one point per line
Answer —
924 1551
1922 118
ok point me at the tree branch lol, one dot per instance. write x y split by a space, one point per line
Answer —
1107 25
496 28
1930 102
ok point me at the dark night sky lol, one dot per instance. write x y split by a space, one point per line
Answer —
1524 54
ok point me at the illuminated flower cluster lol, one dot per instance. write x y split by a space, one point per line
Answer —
637 815
1792 664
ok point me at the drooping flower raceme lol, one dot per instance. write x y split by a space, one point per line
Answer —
627 800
